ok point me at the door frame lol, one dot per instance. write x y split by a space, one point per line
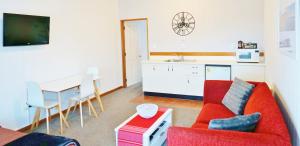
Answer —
123 45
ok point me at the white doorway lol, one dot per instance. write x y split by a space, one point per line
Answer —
135 48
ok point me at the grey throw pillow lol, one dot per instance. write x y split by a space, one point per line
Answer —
245 123
237 96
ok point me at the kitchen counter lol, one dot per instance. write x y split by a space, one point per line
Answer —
208 62
185 79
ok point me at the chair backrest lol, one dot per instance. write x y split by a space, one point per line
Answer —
93 71
87 87
34 95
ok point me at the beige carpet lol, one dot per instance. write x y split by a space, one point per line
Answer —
168 102
100 131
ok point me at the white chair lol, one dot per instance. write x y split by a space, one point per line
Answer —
94 72
86 93
35 98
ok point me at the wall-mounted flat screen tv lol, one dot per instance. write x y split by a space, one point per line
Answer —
20 30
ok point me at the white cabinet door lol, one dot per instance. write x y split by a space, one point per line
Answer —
166 78
147 75
161 78
194 85
175 79
249 72
151 74
195 76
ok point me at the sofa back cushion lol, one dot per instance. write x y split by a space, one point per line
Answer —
271 120
237 96
215 90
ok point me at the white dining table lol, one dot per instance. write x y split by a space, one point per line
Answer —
59 86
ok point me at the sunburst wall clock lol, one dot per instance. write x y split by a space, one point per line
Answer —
183 23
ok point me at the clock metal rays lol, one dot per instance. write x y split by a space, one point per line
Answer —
183 23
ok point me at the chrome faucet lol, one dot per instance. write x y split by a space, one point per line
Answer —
181 58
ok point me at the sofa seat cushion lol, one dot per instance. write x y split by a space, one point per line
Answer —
200 125
213 111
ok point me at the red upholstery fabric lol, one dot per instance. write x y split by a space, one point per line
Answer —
178 136
200 125
214 91
271 129
272 121
219 111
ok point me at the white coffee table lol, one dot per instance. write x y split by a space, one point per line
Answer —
156 134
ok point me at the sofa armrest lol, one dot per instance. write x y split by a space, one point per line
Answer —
215 90
179 136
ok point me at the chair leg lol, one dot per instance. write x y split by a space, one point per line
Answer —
38 118
47 120
68 111
100 102
60 119
98 96
49 111
75 106
35 118
92 107
81 118
90 113
69 108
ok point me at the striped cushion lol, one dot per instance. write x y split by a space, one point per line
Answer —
244 123
237 96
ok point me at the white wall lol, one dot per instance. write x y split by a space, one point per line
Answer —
82 34
219 23
282 71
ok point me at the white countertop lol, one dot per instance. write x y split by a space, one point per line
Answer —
209 62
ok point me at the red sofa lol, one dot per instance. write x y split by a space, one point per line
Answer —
271 129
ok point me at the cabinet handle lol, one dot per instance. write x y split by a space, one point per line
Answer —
188 81
168 69
153 68
172 69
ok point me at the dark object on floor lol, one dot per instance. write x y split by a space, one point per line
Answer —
40 139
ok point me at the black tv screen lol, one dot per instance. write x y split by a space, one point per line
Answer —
19 30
